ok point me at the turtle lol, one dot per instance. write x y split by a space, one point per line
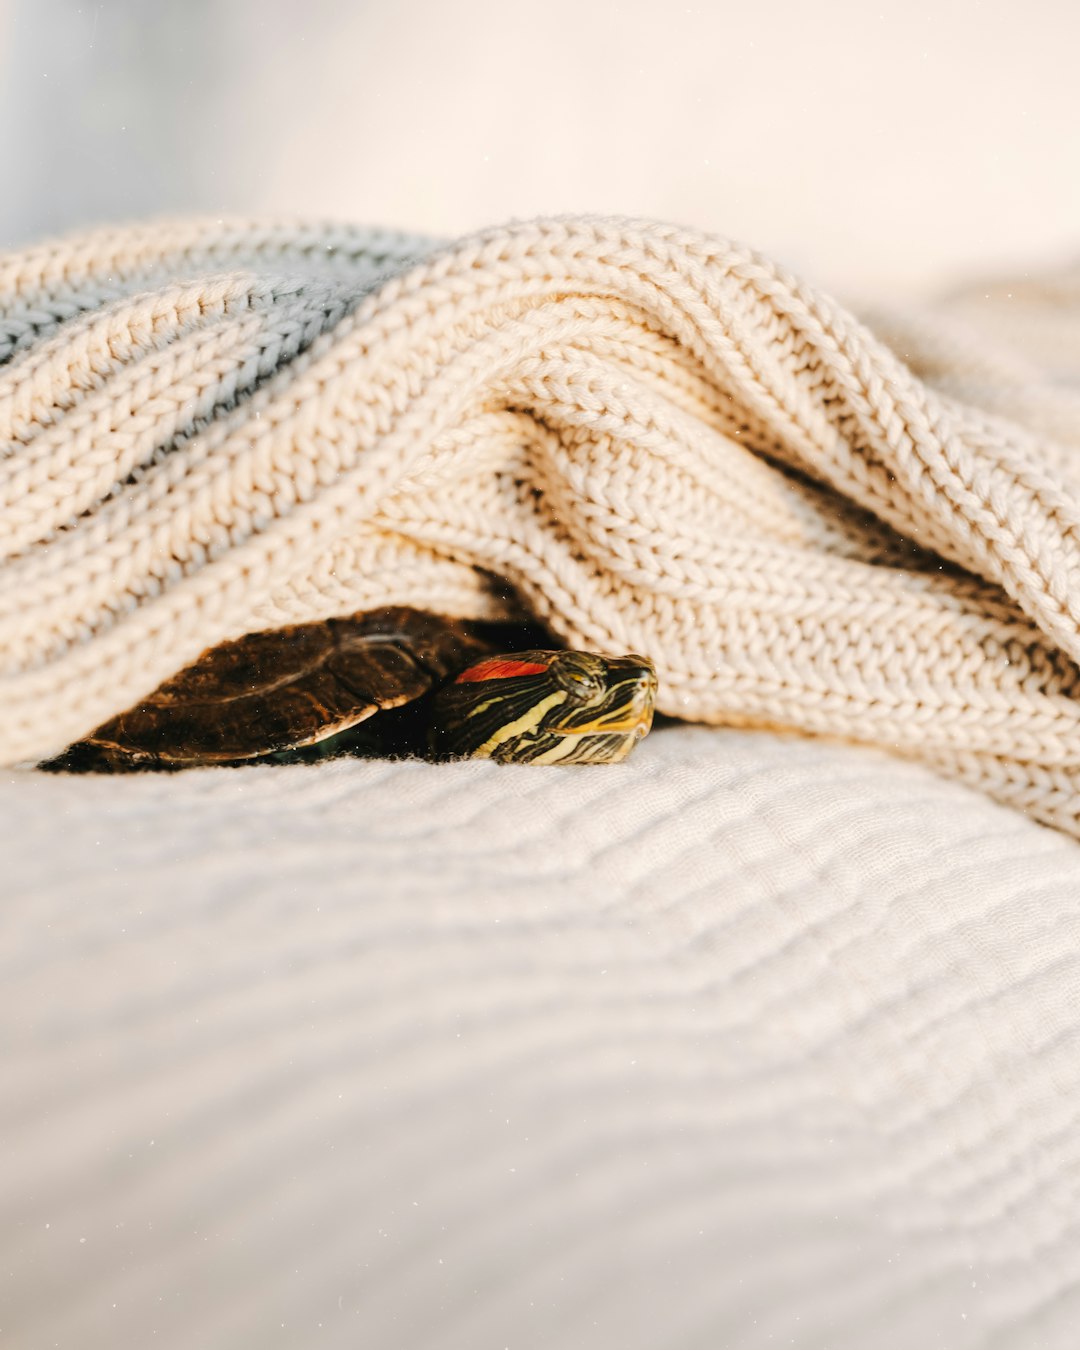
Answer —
443 688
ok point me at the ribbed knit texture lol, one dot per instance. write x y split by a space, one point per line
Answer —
657 438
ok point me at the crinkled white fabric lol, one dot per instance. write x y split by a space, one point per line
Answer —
657 438
751 1041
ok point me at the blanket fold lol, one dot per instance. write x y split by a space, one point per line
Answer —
654 438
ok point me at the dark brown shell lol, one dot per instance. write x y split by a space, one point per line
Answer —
279 690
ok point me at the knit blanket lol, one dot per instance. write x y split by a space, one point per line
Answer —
653 438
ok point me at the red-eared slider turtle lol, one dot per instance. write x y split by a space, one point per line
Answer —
307 691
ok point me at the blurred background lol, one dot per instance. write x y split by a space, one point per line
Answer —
882 147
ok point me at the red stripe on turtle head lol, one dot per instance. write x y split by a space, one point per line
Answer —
500 668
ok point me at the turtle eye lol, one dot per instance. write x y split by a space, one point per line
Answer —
580 681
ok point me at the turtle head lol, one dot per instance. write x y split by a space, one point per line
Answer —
542 707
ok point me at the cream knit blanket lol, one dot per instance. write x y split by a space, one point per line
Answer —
657 439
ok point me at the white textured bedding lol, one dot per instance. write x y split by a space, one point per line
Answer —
751 1041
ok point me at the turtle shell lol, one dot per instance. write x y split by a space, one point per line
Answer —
280 690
